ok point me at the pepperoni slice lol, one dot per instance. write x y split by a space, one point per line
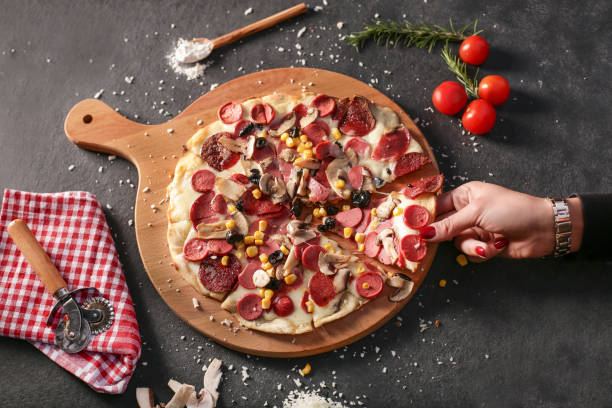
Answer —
310 257
384 225
263 153
240 178
217 277
219 247
230 112
384 257
413 248
320 176
264 205
249 307
373 285
367 216
355 177
318 192
326 105
371 249
305 297
315 132
216 155
245 279
392 145
203 180
416 216
360 146
241 125
195 250
219 205
341 107
300 111
428 185
323 126
410 162
201 209
327 150
321 289
283 306
262 113
350 218
358 119
300 248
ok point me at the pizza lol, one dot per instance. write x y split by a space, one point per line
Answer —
291 211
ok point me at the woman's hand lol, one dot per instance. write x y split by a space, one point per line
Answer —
488 220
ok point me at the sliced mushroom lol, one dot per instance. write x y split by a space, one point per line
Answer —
329 262
386 238
229 188
396 281
294 181
274 187
299 232
340 279
212 378
311 116
248 165
181 396
281 239
241 223
368 183
250 148
216 230
284 126
144 397
403 292
266 162
280 272
385 209
232 145
302 189
324 265
310 163
336 170
291 262
288 155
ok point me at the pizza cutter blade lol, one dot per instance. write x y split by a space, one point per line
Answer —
99 313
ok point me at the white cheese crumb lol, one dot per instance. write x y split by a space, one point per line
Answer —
200 122
245 374
71 167
112 157
130 222
301 32
129 79
196 304
384 370
297 382
248 11
99 94
213 86
340 24
170 130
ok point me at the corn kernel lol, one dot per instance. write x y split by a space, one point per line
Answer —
252 251
262 293
266 303
373 212
329 247
259 242
263 134
271 272
303 138
268 293
336 134
263 258
346 207
300 148
322 212
397 211
258 235
290 279
239 254
442 283
361 247
290 142
249 239
266 265
284 249
365 285
360 269
225 260
309 306
240 246
461 260
315 213
339 183
348 231
306 369
307 154
359 237
231 208
284 136
230 224
256 193
374 224
263 224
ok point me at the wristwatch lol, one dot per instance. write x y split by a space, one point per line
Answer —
562 227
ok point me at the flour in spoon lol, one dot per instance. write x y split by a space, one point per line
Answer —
185 58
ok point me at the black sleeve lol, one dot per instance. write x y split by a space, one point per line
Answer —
597 213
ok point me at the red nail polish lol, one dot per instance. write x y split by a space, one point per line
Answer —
500 243
427 232
480 251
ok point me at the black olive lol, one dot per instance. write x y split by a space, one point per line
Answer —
331 210
360 199
247 129
276 257
388 171
329 222
294 132
260 142
259 126
338 144
254 178
296 208
231 237
255 171
239 205
273 284
378 182
322 227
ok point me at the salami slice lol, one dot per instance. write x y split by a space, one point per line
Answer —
321 289
323 126
310 257
216 155
369 285
219 205
305 298
264 205
300 111
341 107
203 180
283 306
219 247
241 125
262 113
195 250
217 277
260 155
299 248
201 209
245 279
318 192
371 249
283 288
384 257
350 218
410 162
316 134
326 150
355 177
416 216
249 307
360 146
413 248
240 179
429 185
326 105
392 145
230 113
367 217
320 176
358 119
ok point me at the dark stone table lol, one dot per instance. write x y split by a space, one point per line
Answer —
512 333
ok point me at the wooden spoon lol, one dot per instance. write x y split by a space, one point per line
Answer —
207 46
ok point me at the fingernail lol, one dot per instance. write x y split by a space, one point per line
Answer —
500 243
480 251
427 232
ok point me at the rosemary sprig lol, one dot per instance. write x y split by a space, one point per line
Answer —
409 34
459 68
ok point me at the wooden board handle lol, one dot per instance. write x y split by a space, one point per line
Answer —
259 25
93 125
36 256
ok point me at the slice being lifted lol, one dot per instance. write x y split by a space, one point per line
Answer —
292 210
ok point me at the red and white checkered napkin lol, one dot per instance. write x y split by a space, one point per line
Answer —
72 229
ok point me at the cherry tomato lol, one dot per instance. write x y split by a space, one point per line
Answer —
474 50
449 97
495 89
479 117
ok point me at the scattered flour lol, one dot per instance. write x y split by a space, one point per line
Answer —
301 399
186 56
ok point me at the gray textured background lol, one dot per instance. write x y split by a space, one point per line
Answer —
544 325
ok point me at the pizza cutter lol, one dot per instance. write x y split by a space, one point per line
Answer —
79 322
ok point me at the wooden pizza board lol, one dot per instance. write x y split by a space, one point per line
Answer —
154 150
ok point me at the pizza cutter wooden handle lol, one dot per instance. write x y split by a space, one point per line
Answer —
36 256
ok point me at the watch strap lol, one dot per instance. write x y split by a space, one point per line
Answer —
562 226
